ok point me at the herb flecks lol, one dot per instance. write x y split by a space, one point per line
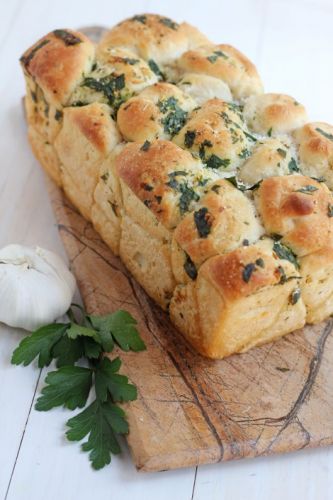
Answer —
216 162
155 69
25 60
309 189
330 210
325 134
284 252
169 23
190 268
58 115
175 116
67 37
282 369
182 186
248 271
244 154
295 296
189 138
203 222
145 146
216 54
292 166
110 86
282 152
140 19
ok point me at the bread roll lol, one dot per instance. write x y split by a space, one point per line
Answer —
226 63
274 114
158 112
239 300
87 136
216 133
296 209
315 142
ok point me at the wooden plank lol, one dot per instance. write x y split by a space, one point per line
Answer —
191 410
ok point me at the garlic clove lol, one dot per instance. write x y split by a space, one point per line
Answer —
36 286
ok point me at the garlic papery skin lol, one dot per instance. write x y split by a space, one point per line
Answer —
36 287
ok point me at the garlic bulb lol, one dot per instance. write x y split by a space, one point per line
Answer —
35 285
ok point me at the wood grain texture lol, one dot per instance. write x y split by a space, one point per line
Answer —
192 410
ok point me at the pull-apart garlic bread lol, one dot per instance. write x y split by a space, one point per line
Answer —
215 194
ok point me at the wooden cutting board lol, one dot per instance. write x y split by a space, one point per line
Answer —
191 410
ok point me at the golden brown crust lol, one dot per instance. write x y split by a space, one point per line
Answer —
226 63
297 208
224 219
231 275
315 141
165 178
147 116
57 62
114 78
216 133
274 113
87 136
270 157
153 37
204 87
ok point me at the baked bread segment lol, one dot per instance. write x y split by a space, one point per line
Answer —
270 157
223 220
315 143
87 136
274 114
113 79
202 88
160 183
296 208
226 63
256 299
167 179
45 154
107 208
57 63
316 270
217 134
157 39
158 112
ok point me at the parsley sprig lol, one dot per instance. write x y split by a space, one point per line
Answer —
86 339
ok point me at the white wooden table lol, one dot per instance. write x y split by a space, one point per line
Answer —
291 43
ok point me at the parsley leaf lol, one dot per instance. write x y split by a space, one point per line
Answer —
101 421
108 381
40 344
325 134
292 166
215 161
69 386
285 253
309 189
67 351
190 268
121 327
203 222
155 68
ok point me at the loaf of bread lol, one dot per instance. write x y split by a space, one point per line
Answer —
215 195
